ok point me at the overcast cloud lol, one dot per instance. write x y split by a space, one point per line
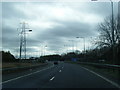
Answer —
53 24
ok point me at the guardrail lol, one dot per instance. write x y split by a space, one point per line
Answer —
109 66
15 69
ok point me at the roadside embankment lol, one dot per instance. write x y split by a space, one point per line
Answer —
18 67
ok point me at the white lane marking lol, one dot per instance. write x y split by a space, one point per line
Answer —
52 78
60 71
62 67
113 83
26 75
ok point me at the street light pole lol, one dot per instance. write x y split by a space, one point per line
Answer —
72 44
83 41
112 31
45 50
119 18
112 22
113 39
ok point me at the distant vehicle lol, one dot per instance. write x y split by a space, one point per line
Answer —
56 62
46 60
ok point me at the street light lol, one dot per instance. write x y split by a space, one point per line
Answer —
30 30
65 46
83 41
44 49
112 22
76 44
113 41
25 43
112 31
72 44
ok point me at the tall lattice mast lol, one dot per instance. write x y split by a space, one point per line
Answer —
23 40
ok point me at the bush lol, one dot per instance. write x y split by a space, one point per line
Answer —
7 57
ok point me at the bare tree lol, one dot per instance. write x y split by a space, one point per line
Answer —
105 29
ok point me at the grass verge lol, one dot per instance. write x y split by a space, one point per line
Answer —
17 64
19 67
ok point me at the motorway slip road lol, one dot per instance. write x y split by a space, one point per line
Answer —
63 75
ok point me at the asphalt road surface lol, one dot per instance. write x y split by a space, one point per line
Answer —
63 75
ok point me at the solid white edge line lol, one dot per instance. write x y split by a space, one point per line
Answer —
26 75
52 78
113 83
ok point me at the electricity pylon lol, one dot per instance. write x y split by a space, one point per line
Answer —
23 30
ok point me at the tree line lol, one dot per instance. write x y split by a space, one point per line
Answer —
7 56
108 44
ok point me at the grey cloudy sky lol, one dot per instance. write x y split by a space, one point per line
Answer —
53 24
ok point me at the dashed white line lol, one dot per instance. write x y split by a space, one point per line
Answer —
52 78
25 75
60 71
113 83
